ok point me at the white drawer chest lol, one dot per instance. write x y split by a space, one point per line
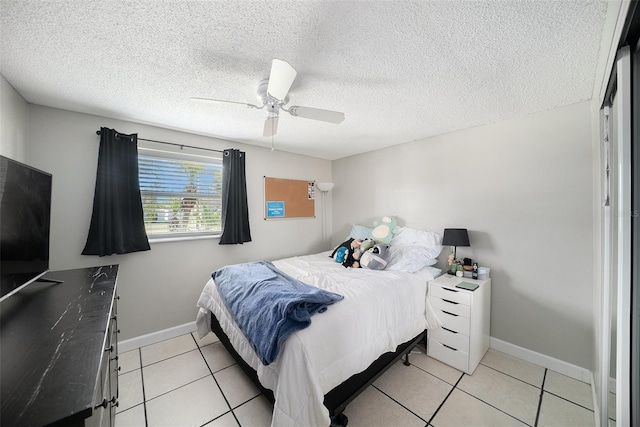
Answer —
463 339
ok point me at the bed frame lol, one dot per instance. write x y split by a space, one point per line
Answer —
337 399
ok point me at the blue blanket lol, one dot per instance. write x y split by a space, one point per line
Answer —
269 305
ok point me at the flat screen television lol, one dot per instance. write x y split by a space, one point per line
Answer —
25 214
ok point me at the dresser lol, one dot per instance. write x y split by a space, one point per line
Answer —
59 351
463 339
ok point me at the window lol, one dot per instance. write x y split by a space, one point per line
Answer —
181 193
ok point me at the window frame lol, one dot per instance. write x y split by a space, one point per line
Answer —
152 149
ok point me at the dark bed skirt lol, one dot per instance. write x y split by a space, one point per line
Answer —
337 399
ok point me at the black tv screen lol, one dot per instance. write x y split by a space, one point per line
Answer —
25 212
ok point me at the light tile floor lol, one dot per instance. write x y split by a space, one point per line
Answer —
186 381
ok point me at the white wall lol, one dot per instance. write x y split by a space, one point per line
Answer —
159 288
14 118
523 188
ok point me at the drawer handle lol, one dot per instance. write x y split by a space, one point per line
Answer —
450 290
449 347
450 302
104 404
110 349
450 314
449 330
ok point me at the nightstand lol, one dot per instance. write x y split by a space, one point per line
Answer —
463 339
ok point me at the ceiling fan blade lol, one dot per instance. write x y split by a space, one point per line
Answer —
270 126
281 78
225 101
317 114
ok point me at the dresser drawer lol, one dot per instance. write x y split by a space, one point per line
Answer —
451 338
456 358
449 294
453 321
451 306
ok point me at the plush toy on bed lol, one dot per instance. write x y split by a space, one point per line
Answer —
375 258
359 247
348 253
384 230
367 244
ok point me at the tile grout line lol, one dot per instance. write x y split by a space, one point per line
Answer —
455 386
568 400
217 384
544 378
170 357
199 348
432 374
445 399
402 405
178 388
511 376
494 407
394 400
144 397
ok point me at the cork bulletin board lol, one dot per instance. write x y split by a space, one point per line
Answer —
289 198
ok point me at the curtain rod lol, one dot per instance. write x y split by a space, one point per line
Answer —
168 143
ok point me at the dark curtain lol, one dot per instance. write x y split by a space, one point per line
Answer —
235 210
117 221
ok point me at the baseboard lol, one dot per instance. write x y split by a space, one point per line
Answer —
155 337
564 368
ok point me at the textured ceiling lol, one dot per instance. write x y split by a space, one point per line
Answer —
400 71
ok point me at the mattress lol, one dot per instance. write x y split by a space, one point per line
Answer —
380 310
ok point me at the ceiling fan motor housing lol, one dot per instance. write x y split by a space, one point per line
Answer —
266 99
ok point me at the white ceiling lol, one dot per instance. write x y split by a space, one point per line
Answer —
399 70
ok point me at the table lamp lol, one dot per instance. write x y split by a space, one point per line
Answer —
455 237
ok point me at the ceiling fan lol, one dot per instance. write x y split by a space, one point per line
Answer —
273 95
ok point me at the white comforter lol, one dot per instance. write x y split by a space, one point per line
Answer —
380 310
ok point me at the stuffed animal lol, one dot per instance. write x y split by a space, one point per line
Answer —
341 254
375 258
367 244
348 253
356 246
384 230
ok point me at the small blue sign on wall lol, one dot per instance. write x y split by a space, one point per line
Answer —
275 209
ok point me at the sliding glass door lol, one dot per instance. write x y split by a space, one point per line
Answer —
620 251
634 399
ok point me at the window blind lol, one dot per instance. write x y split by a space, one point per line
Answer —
180 197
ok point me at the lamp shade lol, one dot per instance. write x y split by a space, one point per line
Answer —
324 186
455 237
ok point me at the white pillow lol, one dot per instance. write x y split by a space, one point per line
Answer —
409 258
428 240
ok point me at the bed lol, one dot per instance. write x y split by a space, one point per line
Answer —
318 371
